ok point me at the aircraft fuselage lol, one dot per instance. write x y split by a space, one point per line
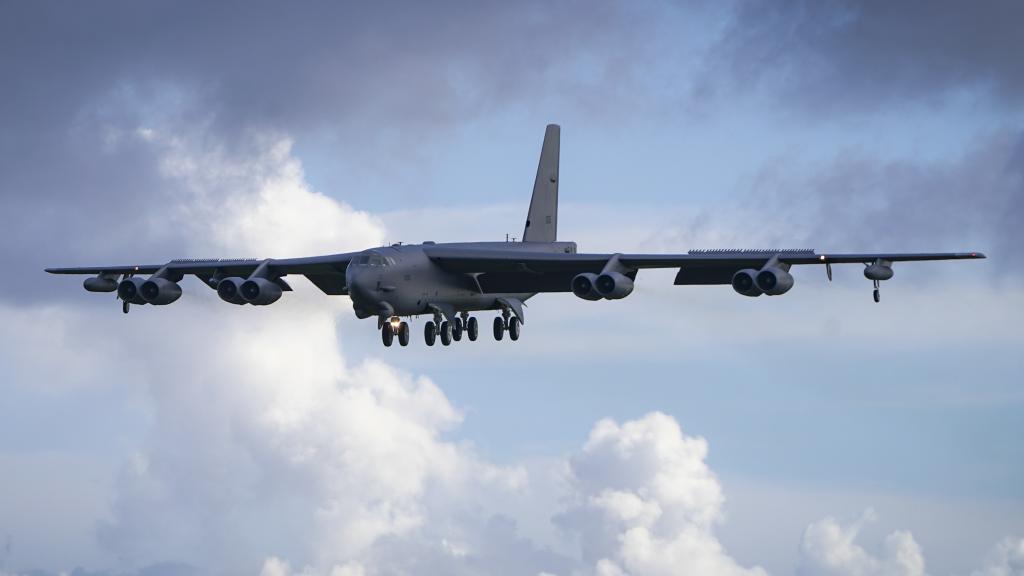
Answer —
400 280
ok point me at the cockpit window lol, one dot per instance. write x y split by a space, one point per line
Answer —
373 259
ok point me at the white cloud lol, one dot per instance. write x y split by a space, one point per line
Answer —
647 503
1005 559
829 548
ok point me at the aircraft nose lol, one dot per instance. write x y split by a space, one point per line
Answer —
361 287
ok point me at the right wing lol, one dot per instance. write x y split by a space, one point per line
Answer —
326 272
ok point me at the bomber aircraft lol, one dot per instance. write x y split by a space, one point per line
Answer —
450 281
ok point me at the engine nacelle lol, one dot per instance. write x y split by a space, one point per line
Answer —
743 282
100 283
583 285
160 291
130 290
260 291
774 281
613 285
230 290
878 272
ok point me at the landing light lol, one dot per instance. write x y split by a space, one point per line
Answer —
395 321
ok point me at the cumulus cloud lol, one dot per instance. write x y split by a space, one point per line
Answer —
645 502
829 548
272 428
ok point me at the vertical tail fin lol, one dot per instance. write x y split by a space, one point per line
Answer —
542 220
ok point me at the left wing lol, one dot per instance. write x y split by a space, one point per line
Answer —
528 271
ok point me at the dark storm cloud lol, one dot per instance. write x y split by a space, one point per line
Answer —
861 53
79 78
861 203
293 65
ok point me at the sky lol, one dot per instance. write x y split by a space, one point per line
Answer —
682 430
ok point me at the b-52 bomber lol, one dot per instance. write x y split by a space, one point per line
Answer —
450 281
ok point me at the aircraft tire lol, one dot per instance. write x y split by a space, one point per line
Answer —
446 333
878 296
472 329
499 328
403 334
387 334
457 329
429 333
513 328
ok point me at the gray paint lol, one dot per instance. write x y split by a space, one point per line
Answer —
542 219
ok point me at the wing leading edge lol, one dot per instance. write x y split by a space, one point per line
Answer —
551 271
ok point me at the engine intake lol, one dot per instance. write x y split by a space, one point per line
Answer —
583 286
260 291
230 290
130 290
613 285
743 283
774 281
160 291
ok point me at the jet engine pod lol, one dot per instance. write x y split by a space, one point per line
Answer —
260 291
160 291
583 286
877 271
230 290
613 285
130 290
774 281
743 283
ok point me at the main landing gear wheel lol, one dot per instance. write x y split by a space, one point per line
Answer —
429 332
387 334
472 329
403 334
125 306
878 296
499 328
446 333
457 329
513 328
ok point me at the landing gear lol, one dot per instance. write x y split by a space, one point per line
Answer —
507 323
447 331
403 334
877 294
429 332
457 328
125 305
513 328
